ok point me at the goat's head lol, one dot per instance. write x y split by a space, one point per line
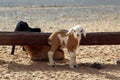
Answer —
77 30
23 26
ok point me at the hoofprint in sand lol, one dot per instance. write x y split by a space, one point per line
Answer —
50 19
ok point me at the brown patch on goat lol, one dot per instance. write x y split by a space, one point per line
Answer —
41 53
72 46
54 41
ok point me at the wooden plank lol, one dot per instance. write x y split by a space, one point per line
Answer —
23 38
102 38
36 38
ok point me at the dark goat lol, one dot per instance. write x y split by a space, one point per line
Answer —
24 27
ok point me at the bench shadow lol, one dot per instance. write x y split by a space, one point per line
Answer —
83 68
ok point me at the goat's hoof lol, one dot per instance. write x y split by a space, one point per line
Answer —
118 62
54 65
9 62
73 66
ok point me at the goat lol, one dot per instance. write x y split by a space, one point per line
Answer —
69 39
24 27
36 52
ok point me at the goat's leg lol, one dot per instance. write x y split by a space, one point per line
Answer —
73 63
13 49
50 57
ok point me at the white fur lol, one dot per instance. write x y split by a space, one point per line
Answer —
73 63
50 56
63 39
77 30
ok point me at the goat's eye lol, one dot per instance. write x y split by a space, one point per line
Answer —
81 30
73 30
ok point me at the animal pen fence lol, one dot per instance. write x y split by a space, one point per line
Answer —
36 38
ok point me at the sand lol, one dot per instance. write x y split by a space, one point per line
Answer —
50 19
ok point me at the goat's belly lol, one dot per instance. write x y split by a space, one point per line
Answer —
41 53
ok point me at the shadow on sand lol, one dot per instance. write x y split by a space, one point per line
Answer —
84 68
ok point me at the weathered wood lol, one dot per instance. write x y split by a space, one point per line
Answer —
23 38
102 38
36 38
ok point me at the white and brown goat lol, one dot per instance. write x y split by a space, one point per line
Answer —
69 39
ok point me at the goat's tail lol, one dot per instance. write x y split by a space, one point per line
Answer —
13 50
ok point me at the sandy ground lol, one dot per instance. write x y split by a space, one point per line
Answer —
50 19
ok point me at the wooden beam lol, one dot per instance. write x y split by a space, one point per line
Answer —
102 38
23 38
36 38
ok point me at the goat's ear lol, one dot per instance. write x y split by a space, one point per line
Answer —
84 33
70 31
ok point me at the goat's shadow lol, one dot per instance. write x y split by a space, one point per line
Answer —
83 68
